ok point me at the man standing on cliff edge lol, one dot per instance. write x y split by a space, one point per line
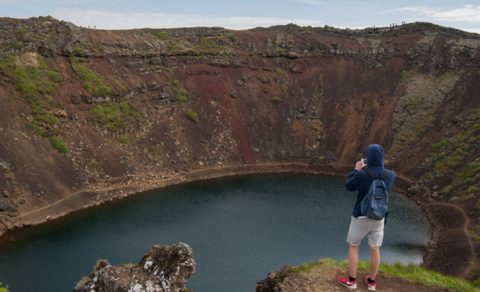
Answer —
361 226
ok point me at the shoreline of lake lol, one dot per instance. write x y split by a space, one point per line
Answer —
88 199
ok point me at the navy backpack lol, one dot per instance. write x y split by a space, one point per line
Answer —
375 203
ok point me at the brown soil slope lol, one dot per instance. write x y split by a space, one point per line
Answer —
91 115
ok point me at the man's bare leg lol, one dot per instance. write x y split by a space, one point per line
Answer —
353 260
374 261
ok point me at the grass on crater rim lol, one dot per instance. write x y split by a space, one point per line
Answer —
410 272
3 289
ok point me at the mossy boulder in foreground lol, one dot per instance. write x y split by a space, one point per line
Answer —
162 268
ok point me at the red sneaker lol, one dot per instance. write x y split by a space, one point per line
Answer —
345 282
371 285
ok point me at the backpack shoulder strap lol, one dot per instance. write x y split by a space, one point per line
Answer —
372 177
384 175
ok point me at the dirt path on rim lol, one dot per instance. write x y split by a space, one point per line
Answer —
132 185
451 250
452 240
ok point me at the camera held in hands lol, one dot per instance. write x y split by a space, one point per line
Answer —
364 160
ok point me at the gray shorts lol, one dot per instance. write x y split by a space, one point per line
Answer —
362 226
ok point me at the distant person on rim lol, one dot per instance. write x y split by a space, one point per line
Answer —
360 225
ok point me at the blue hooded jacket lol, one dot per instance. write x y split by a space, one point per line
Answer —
360 181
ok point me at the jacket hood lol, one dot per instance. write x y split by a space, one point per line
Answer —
375 158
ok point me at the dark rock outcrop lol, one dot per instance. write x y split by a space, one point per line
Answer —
162 268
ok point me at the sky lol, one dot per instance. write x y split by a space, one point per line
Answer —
244 14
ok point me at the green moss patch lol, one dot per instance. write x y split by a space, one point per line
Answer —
173 48
79 52
182 95
116 117
276 99
31 75
92 83
37 83
192 115
208 46
181 92
162 35
58 143
123 139
281 73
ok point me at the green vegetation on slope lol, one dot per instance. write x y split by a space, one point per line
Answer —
281 73
59 144
415 112
37 83
411 272
79 52
6 214
453 163
116 117
92 83
3 289
198 46
181 92
452 152
192 115
208 46
162 35
276 99
123 139
32 77
281 79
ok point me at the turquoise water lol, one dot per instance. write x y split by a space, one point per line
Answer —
240 229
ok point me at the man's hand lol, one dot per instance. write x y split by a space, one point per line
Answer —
359 165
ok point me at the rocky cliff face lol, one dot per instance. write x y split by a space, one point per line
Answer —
162 268
90 115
